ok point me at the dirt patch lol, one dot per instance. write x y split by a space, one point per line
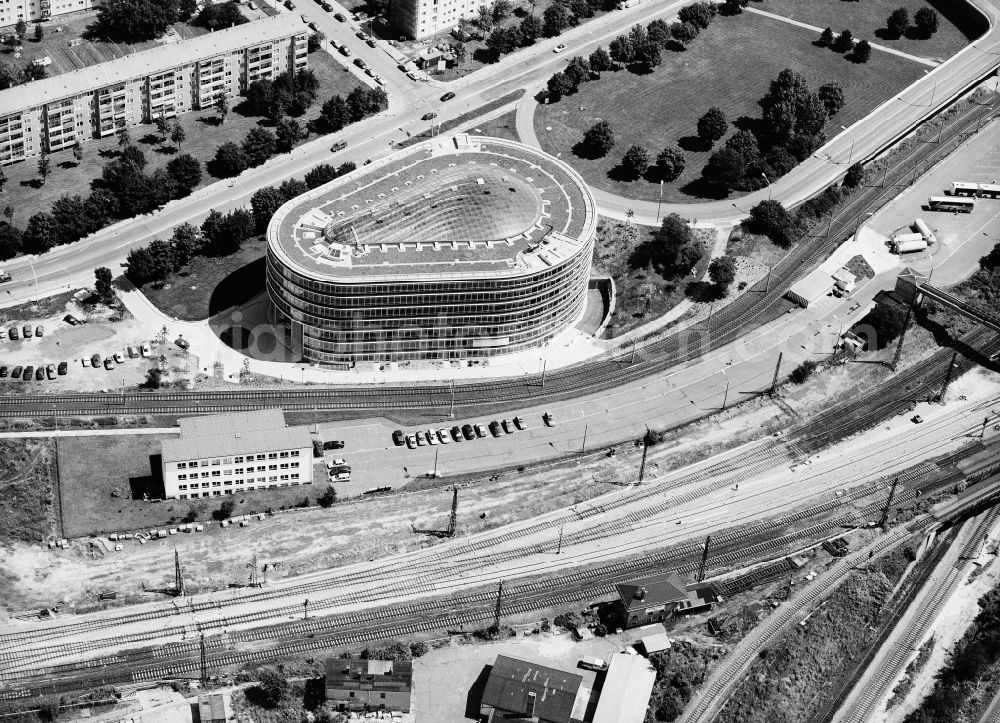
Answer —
29 508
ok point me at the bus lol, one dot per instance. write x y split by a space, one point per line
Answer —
950 203
989 190
964 188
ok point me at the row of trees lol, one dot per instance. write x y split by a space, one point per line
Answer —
339 112
670 162
123 190
860 51
925 22
221 234
290 93
556 18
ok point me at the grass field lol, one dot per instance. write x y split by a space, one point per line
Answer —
27 196
958 26
503 127
98 476
28 505
195 293
662 108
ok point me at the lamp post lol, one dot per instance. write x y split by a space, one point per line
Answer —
660 202
850 156
725 395
768 185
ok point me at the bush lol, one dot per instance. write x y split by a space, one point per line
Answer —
722 272
328 498
271 689
855 175
803 371
418 649
225 511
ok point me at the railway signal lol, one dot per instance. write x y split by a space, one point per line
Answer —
178 578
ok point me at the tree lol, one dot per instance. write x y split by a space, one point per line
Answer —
39 33
559 85
712 126
659 32
599 139
78 152
8 213
648 55
129 188
501 10
855 175
222 106
328 498
134 20
124 136
787 95
734 7
832 96
674 248
844 41
21 29
600 60
323 173
272 687
503 40
803 371
635 162
555 19
621 50
700 14
484 18
10 241
224 512
260 96
577 70
186 9
154 380
41 234
926 21
264 203
826 38
177 134
133 154
287 134
744 144
670 163
898 21
862 52
230 160
43 167
333 116
102 284
531 30
722 272
72 218
187 242
185 170
771 218
220 16
259 145
684 33
294 187
724 169
162 127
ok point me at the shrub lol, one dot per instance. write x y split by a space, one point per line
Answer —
803 371
225 511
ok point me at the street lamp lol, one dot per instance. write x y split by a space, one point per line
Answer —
768 185
850 156
725 395
933 91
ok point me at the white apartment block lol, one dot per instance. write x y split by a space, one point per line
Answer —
231 453
48 115
420 18
28 10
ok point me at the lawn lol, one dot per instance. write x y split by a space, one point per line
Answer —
662 108
28 506
210 284
958 23
24 192
503 127
98 476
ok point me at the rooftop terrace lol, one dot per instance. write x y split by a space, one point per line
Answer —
453 206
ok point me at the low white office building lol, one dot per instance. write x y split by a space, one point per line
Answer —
222 454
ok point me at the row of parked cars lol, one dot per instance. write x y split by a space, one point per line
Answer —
466 432
13 334
40 373
118 357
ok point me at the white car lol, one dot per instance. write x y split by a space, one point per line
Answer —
145 350
380 80
443 436
431 436
559 48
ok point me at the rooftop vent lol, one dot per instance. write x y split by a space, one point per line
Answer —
640 594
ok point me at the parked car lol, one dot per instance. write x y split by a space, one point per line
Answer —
26 331
63 368
918 419
559 48
508 426
468 431
595 664
4 277
443 436
398 438
339 462
402 67
340 17
109 363
519 423
15 373
3 372
549 418
40 374
481 430
132 353
341 477
412 76
28 372
312 26
360 62
345 51
370 42
360 35
369 72
95 361
421 439
39 330
119 358
456 434
431 436
447 96
380 80
289 4
338 146
12 333
145 351
50 371
3 334
495 428
85 361
429 116
182 342
71 320
411 441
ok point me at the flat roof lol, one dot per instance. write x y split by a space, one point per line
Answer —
626 691
148 62
511 681
452 207
226 435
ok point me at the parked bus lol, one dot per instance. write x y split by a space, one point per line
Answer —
950 203
989 190
963 188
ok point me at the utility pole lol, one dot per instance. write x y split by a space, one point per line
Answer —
252 567
305 608
496 614
947 377
204 660
544 363
704 559
436 463
902 335
559 547
451 411
453 520
642 465
178 578
583 447
777 371
888 504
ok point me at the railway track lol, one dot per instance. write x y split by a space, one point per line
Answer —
655 356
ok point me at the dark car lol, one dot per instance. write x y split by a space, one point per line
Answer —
26 331
495 428
40 374
447 96
12 333
50 371
549 418
345 51
182 342
456 434
398 438
39 331
360 63
109 363
289 4
519 423
338 146
29 371
361 35
63 368
3 372
71 320
95 361
15 373
340 17
468 431
370 42
428 116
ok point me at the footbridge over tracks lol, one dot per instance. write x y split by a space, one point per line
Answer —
913 287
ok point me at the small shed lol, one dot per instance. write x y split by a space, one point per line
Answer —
811 288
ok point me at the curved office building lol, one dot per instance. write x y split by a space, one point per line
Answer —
459 247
